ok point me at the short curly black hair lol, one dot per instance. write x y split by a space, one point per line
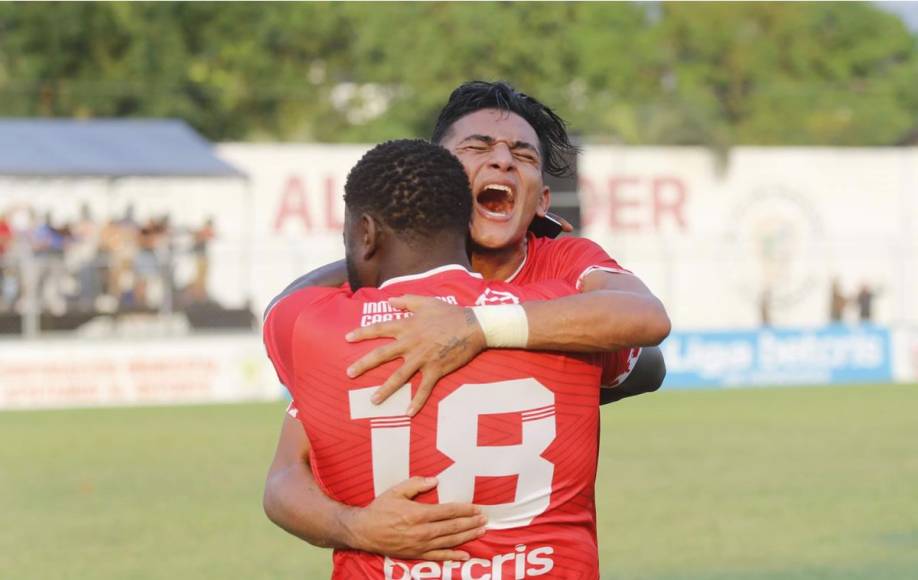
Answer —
415 187
551 130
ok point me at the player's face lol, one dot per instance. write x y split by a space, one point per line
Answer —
501 155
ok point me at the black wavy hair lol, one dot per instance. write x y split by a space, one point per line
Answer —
549 127
415 187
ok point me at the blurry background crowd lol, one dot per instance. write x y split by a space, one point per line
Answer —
93 265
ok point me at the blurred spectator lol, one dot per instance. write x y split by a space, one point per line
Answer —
202 238
83 259
118 244
837 302
94 266
864 301
108 238
166 255
6 246
48 244
21 220
149 287
146 268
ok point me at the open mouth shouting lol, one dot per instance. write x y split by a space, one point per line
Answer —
495 202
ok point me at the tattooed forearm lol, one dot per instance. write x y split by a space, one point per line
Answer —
453 345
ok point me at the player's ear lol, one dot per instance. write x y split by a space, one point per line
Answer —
369 236
544 201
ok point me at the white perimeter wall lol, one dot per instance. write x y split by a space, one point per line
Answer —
83 373
707 233
711 234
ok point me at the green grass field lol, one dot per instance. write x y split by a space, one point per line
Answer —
802 483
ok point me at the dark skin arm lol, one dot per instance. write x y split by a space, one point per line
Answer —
292 495
327 276
393 524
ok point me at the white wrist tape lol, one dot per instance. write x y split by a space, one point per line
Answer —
504 326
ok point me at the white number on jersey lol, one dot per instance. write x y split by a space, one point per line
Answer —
457 438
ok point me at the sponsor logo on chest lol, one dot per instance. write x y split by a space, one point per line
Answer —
382 311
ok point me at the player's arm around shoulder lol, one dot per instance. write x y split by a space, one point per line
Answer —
393 524
329 276
292 498
592 319
613 310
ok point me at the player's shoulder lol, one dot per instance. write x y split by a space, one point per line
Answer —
300 298
303 282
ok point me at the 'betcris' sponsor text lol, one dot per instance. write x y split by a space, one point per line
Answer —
523 562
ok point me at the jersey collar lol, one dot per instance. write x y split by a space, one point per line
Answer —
428 274
529 238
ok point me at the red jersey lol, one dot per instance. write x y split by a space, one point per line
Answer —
514 432
568 259
572 260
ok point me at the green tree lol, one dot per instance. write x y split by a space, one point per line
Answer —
791 73
715 74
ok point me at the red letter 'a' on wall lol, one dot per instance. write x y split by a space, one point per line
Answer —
293 205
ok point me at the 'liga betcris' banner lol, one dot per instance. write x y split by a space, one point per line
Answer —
829 355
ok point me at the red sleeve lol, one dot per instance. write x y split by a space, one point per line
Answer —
572 259
280 320
617 365
547 290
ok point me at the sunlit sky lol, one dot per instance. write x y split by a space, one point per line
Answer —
908 11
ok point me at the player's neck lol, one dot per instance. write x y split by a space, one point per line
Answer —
498 264
406 260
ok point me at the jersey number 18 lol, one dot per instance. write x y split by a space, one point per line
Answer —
457 438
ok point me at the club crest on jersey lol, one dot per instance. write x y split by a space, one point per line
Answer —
491 297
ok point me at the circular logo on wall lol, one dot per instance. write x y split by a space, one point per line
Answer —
774 248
